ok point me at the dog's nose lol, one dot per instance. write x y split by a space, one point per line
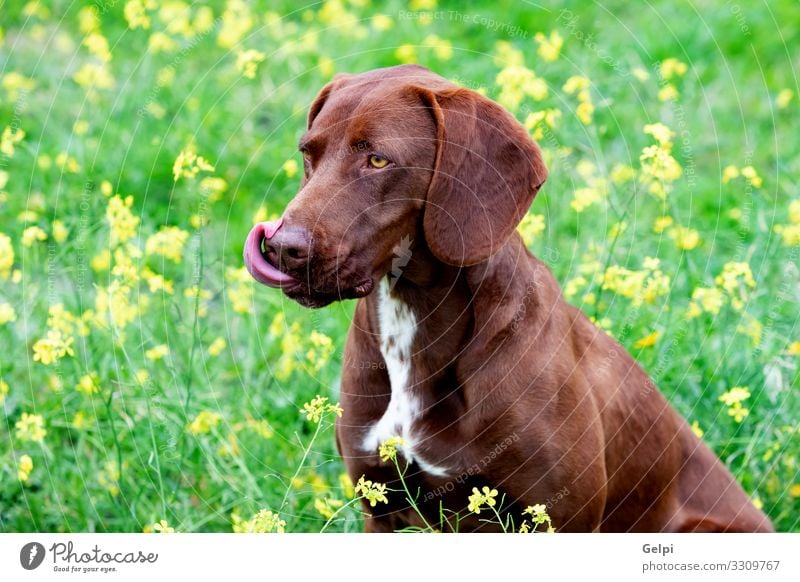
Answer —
288 249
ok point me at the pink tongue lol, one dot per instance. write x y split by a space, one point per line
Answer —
261 270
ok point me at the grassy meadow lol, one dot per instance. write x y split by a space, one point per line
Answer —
148 384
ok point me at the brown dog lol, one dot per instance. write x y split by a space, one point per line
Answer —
461 342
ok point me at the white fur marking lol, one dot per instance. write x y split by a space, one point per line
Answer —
397 329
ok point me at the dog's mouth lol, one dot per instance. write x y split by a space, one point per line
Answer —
297 286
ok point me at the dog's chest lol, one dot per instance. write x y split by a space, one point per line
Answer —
398 328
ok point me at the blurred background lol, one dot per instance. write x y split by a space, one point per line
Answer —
146 384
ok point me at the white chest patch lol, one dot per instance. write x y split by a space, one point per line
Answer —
397 329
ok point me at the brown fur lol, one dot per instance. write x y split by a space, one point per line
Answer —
498 356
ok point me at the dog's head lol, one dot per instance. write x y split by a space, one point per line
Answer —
388 154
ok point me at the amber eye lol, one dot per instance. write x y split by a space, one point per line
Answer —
306 156
378 161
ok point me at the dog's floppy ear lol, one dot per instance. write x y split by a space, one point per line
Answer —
323 95
487 172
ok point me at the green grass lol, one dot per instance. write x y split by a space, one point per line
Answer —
135 463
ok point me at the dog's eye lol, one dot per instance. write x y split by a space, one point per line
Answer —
377 161
306 156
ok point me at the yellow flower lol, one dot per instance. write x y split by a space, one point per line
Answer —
381 22
647 341
531 227
706 299
31 235
265 521
793 349
443 49
736 279
327 506
188 164
247 62
406 53
10 138
517 82
52 348
388 448
168 243
136 15
94 76
108 477
346 484
204 422
162 526
685 238
60 231
7 313
88 384
698 432
661 224
749 172
161 43
79 421
752 328
668 93
549 47
641 74
4 389
6 256
479 499
539 516
794 490
290 168
622 173
157 353
24 467
97 45
733 398
729 173
236 22
784 98
16 84
662 134
318 406
373 493
30 427
216 347
121 220
672 67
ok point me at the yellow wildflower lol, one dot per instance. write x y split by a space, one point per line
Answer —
647 341
539 516
443 49
672 67
121 220
784 98
388 448
216 347
4 389
6 256
327 506
406 53
7 313
157 353
247 62
94 76
24 467
88 384
52 347
136 15
549 46
10 138
698 432
531 226
265 521
661 223
479 499
162 526
16 85
370 491
32 234
236 23
204 422
685 238
97 45
318 406
30 427
108 477
168 243
733 399
517 82
793 349
188 164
